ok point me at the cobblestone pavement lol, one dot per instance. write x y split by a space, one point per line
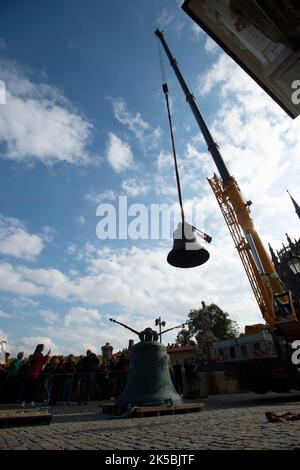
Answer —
228 422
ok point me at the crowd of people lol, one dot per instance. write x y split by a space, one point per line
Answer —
65 379
62 379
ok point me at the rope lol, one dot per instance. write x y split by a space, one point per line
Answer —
165 90
206 237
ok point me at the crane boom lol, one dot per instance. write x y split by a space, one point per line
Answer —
271 295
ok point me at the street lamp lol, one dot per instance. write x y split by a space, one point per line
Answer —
160 323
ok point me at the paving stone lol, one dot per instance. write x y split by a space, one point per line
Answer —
227 422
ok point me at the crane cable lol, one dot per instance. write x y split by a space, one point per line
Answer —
166 93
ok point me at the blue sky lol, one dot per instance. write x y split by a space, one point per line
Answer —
84 123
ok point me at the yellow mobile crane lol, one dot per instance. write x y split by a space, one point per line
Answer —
279 310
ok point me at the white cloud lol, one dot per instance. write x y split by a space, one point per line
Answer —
260 143
130 273
197 31
107 195
48 234
12 281
211 46
171 16
75 251
134 122
81 252
79 338
29 343
3 44
80 316
80 220
39 123
16 241
20 302
49 316
165 183
145 134
191 167
3 335
51 278
89 249
72 272
173 291
119 154
5 314
165 161
134 188
230 76
164 186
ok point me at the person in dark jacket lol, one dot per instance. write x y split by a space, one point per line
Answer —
48 375
57 381
34 374
178 377
89 366
68 379
13 377
124 361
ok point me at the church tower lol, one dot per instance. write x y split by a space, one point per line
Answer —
297 208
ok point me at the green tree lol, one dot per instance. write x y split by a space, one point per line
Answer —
210 321
184 337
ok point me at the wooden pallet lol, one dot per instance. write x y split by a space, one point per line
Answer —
168 410
141 411
114 409
23 418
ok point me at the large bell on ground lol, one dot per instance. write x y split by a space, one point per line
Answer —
187 251
149 379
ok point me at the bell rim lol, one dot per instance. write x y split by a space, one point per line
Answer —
191 258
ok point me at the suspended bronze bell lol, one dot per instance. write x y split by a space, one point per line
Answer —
187 251
149 380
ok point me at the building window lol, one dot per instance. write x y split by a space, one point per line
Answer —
232 353
244 351
258 352
220 356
